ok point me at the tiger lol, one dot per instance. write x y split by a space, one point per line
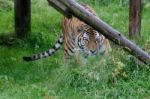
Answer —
77 36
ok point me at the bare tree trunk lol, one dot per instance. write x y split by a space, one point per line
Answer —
22 17
135 18
105 29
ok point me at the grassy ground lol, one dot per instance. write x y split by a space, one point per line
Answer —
114 76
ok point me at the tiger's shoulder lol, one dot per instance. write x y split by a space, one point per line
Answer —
74 23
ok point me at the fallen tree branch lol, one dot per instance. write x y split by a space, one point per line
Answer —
99 25
59 7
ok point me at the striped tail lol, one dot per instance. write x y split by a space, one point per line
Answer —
46 53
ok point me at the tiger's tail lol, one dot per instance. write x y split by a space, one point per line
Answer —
47 53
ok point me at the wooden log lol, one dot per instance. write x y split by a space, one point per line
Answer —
22 17
135 18
59 7
106 30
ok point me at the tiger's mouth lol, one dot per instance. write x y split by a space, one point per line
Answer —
93 52
87 53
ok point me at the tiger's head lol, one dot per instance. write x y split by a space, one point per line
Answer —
90 41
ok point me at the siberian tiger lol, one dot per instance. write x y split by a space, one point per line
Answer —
77 36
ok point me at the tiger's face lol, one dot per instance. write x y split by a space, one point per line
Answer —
91 42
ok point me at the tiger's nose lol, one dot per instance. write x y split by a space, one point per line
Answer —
93 52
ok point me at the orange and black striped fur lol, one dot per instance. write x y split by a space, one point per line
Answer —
77 36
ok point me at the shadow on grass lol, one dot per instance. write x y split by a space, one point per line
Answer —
7 38
13 67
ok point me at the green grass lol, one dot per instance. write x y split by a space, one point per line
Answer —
115 76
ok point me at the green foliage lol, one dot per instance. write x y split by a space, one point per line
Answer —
118 75
6 5
105 2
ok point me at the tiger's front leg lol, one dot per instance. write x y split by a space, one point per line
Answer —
80 60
